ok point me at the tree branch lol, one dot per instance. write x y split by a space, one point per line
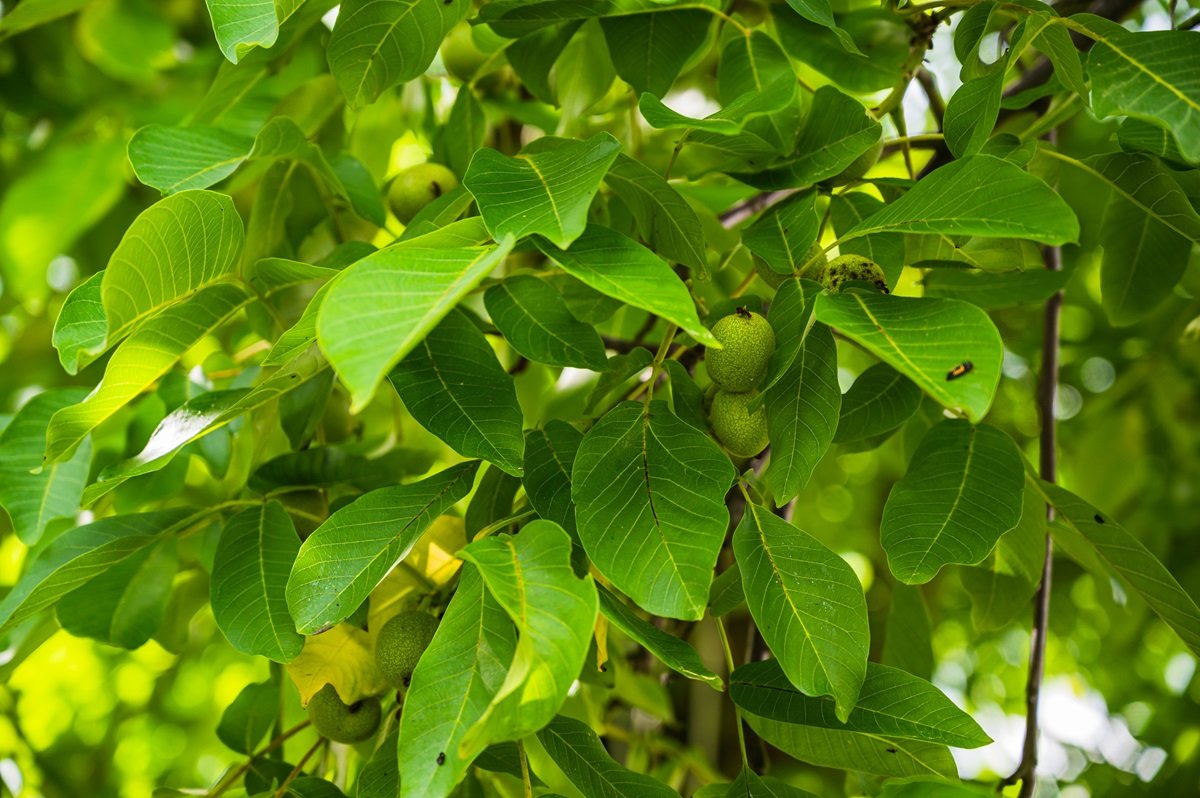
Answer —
1026 771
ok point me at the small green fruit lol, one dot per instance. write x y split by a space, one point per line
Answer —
417 186
340 722
854 267
461 55
400 643
859 167
741 432
748 342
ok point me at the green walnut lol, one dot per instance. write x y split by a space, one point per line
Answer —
417 186
859 167
343 723
461 55
400 643
741 432
748 342
849 268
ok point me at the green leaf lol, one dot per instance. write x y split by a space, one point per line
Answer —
380 776
1147 233
463 133
649 50
752 64
1001 588
549 457
242 25
125 604
173 248
924 339
664 219
381 307
748 784
1135 135
536 322
347 556
791 318
972 111
783 235
52 202
893 704
819 11
838 130
802 414
933 788
359 186
249 578
619 267
376 45
808 605
1055 41
33 13
887 249
546 192
78 555
173 159
580 755
34 499
452 686
676 654
730 120
1126 556
909 644
993 290
143 359
879 401
854 751
453 386
649 492
1150 75
251 715
530 576
980 196
80 326
879 32
962 492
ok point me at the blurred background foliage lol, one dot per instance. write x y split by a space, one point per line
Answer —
77 718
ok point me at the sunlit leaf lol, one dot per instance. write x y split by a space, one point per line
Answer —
341 656
347 556
530 576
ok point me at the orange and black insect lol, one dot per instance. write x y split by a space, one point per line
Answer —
960 370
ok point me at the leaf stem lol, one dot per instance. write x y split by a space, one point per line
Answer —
519 515
659 357
729 663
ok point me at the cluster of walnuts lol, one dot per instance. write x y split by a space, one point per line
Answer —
737 417
400 643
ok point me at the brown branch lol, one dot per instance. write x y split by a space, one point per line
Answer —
1026 771
759 202
229 781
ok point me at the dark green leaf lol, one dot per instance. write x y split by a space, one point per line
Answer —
676 654
577 750
536 322
879 401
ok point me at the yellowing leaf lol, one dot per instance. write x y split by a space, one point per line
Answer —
342 657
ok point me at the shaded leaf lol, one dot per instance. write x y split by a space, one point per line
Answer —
453 386
577 750
251 715
649 50
879 401
537 323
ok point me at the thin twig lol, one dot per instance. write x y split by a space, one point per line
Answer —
1026 771
229 780
296 771
741 733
